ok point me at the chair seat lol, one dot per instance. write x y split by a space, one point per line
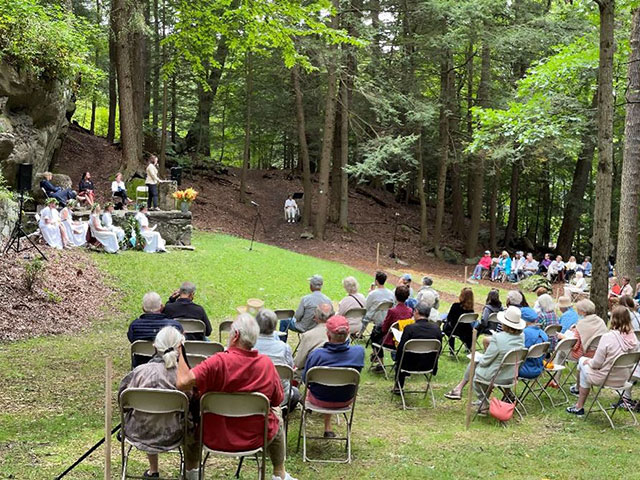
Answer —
416 372
499 385
246 453
329 411
619 387
556 368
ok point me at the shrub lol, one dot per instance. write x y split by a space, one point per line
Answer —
33 272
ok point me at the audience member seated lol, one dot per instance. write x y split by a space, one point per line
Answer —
269 344
430 299
427 286
107 222
569 316
147 325
627 302
156 434
107 238
517 267
533 335
153 241
593 371
118 189
578 284
547 313
76 232
378 294
543 266
530 266
585 267
50 227
570 268
314 337
425 329
502 268
62 195
488 363
290 209
463 331
382 335
354 299
335 353
86 189
240 369
492 305
555 272
484 265
539 292
303 318
406 281
182 306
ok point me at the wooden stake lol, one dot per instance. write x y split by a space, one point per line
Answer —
107 419
472 371
378 255
466 273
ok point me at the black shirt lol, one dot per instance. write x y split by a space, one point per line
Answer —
421 329
185 308
85 185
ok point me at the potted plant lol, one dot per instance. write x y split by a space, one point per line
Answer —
185 198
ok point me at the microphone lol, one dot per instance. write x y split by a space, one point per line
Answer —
254 204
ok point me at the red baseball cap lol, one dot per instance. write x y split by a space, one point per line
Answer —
338 324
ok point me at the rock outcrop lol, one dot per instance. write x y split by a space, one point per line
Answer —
34 118
8 217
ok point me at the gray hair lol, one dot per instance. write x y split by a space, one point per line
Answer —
546 302
247 327
187 288
423 309
350 284
586 306
151 302
514 298
267 321
428 298
427 281
169 338
324 312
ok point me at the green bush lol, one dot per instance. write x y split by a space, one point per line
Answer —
32 273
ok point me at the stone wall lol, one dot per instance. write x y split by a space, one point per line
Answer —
8 217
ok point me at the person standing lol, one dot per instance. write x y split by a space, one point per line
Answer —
152 182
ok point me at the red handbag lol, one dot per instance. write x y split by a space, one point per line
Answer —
502 411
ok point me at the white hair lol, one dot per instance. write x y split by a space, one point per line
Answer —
428 298
546 302
247 327
350 284
586 306
166 344
514 297
151 302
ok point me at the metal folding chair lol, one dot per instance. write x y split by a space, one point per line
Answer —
151 401
511 361
192 326
626 361
142 349
355 316
286 375
235 405
197 347
552 330
195 360
225 326
555 373
380 347
592 345
538 351
465 319
284 314
332 377
419 347
381 309
142 194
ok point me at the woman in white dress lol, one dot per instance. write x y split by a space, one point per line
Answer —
107 238
577 285
107 222
50 225
153 241
76 231
290 209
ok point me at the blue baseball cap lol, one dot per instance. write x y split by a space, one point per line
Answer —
529 315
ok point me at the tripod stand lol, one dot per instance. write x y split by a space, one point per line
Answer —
14 239
255 225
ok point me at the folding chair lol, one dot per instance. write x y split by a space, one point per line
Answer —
331 377
465 318
286 375
206 349
142 194
195 360
419 347
559 354
355 316
626 361
380 347
637 333
152 401
224 326
381 309
236 405
593 345
143 350
511 361
192 326
538 351
283 314
552 330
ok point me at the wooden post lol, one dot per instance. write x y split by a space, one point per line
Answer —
378 255
472 371
466 271
107 419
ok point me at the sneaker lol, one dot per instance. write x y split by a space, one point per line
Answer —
146 474
625 404
329 435
286 477
575 411
574 390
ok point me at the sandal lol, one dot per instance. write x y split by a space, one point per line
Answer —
452 395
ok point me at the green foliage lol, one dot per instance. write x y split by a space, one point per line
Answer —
132 231
33 271
534 282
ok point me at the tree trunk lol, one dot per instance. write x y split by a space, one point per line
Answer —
512 224
156 70
113 89
421 193
146 64
139 76
470 171
165 87
493 213
545 200
327 140
602 207
457 201
343 219
174 106
627 258
336 162
162 160
246 159
303 148
477 184
92 127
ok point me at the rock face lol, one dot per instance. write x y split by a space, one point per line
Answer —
8 217
34 118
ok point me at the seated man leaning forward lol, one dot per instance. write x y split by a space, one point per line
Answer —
147 325
314 338
182 306
156 434
303 318
335 353
240 369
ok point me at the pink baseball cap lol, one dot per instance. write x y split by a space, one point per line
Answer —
338 324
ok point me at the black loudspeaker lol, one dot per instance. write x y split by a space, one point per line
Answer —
25 172
176 175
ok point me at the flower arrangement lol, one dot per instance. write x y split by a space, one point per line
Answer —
189 195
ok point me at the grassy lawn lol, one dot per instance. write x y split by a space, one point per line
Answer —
51 389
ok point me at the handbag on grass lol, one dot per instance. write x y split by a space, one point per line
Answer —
503 411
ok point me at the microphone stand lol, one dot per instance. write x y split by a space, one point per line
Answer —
258 217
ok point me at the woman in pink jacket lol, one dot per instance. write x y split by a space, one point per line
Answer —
483 264
593 371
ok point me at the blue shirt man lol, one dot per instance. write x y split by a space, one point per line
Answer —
569 316
533 335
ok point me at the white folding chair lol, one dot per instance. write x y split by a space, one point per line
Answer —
152 401
538 351
465 319
592 345
285 314
192 326
355 316
225 326
419 347
552 330
235 405
143 350
625 362
331 377
493 320
206 349
555 372
379 312
142 194
195 360
286 377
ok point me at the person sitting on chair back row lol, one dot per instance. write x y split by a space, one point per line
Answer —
335 353
304 316
377 295
314 338
182 306
427 286
240 369
62 195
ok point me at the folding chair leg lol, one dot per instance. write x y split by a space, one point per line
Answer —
240 462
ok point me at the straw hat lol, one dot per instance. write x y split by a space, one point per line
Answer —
512 317
253 306
564 302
